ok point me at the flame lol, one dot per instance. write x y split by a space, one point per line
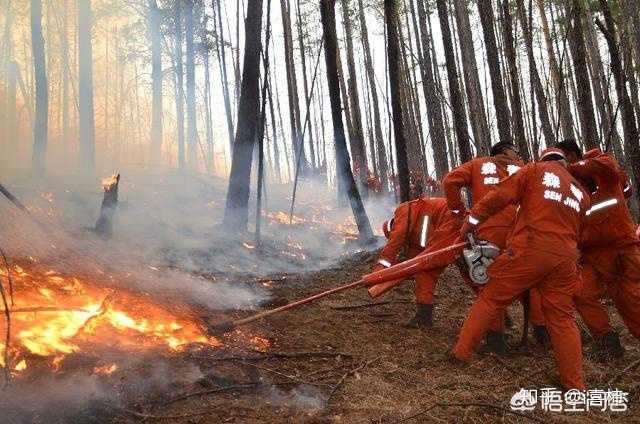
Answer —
316 218
109 182
105 369
55 315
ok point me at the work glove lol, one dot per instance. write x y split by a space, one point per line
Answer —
467 227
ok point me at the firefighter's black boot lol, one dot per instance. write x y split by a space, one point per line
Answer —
608 347
423 318
495 343
541 335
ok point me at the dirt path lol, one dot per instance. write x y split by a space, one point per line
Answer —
344 361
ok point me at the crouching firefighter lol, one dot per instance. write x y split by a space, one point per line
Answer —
610 249
411 230
541 252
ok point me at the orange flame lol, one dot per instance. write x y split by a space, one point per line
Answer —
56 315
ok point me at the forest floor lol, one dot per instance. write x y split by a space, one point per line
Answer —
346 359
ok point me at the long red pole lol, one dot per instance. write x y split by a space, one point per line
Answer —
373 278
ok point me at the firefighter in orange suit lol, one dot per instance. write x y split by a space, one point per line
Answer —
542 252
411 230
610 250
480 176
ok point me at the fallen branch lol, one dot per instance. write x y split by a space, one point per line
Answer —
212 391
167 417
281 374
9 279
46 309
628 368
347 374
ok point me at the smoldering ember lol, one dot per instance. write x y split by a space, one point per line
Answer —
319 211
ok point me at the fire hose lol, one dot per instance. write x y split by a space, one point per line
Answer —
386 279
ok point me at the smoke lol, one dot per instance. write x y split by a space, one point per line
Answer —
82 397
301 398
167 237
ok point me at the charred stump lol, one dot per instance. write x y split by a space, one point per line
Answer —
104 224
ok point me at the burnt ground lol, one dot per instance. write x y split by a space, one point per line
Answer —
346 360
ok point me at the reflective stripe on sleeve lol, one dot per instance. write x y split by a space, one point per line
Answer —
384 263
389 225
423 233
601 205
473 221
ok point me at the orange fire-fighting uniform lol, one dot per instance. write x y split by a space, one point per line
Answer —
542 252
412 228
482 175
610 248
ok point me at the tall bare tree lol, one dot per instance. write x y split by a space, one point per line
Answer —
629 126
534 76
156 78
500 103
562 100
40 128
236 212
358 151
457 105
192 124
328 17
393 59
477 114
579 54
371 78
431 95
512 64
85 83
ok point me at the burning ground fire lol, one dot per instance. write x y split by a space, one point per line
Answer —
55 315
318 218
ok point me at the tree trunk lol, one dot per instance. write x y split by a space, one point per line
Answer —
434 108
477 114
192 128
499 98
261 125
303 61
564 107
207 109
42 91
393 59
516 101
328 17
85 83
156 78
222 61
358 149
179 82
292 89
237 205
274 134
579 53
601 88
457 105
535 77
371 77
629 126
